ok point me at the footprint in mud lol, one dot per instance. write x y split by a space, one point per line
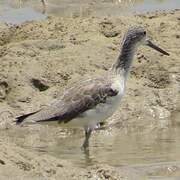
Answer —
24 166
2 162
39 84
156 76
108 29
158 79
4 90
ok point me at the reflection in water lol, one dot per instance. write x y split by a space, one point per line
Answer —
115 147
11 13
107 7
146 151
112 147
87 157
42 1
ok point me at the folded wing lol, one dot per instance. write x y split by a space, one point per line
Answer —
75 101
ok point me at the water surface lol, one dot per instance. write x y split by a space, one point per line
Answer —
153 153
147 152
14 12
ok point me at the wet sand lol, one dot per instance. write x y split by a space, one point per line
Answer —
39 59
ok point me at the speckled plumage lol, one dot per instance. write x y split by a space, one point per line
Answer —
76 100
92 101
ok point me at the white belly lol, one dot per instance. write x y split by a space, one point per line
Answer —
93 116
103 110
98 114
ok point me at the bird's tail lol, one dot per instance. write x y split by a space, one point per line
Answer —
20 119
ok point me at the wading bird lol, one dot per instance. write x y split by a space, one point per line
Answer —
43 4
92 101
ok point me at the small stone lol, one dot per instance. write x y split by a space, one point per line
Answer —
111 47
4 89
2 162
152 16
111 34
60 165
39 84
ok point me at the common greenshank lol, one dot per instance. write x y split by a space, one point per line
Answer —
90 102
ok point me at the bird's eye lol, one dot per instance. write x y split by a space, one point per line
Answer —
144 32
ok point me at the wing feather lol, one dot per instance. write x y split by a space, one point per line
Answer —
75 101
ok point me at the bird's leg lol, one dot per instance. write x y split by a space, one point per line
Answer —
44 6
20 3
88 132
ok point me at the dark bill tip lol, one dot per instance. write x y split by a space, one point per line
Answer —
150 44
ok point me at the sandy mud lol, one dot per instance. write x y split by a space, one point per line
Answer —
39 59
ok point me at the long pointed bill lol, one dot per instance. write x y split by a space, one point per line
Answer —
150 44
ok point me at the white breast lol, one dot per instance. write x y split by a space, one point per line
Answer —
101 111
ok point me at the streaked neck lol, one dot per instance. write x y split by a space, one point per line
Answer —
124 60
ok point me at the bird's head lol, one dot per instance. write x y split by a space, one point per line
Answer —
137 36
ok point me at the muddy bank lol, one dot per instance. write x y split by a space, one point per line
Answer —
40 59
16 163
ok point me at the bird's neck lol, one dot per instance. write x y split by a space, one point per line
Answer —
124 60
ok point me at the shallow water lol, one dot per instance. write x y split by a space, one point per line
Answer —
14 12
124 148
147 152
154 153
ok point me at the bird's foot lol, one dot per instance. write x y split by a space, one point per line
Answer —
85 146
100 126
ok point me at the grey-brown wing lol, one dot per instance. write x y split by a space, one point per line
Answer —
88 99
75 101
